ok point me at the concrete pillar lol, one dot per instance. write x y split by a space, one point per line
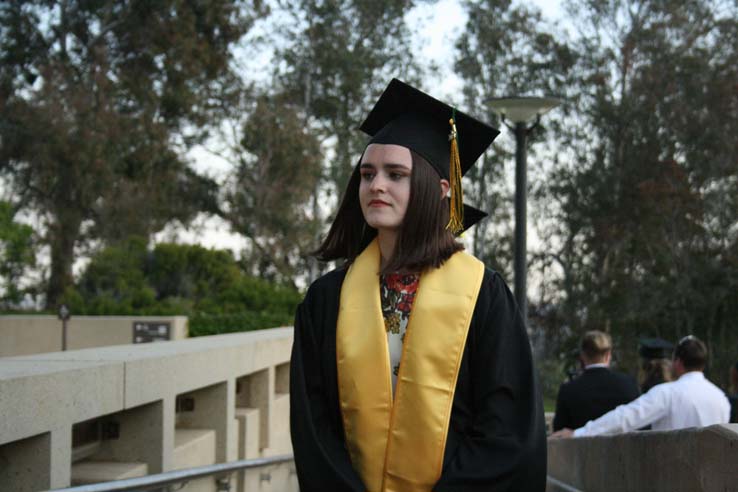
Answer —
282 379
60 457
168 411
248 447
279 440
256 391
213 409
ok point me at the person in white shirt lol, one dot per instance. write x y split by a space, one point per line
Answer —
690 401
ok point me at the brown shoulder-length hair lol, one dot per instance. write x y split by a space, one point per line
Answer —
423 240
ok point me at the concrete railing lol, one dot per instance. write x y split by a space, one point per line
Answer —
36 334
117 412
690 460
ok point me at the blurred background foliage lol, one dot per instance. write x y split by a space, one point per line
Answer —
180 279
633 180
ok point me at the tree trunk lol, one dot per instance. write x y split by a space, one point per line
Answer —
63 237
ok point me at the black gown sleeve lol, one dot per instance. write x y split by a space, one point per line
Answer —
497 440
321 458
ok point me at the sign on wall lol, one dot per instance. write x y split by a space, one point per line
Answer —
151 331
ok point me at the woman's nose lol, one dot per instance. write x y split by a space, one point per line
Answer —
378 183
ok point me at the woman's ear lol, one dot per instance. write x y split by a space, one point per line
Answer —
444 187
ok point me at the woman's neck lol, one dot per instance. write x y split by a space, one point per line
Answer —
387 241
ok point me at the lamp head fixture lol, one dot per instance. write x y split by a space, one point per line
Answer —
522 109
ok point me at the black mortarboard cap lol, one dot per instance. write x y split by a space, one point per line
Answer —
655 348
472 216
404 115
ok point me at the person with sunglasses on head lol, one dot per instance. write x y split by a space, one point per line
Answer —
688 401
411 367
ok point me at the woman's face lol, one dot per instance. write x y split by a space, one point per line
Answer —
384 191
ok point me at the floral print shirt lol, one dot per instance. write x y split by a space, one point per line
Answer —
397 292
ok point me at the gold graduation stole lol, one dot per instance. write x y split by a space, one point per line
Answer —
398 446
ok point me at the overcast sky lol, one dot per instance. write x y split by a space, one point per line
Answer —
442 21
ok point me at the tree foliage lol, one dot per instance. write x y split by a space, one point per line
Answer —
634 199
643 211
278 164
338 56
17 254
207 285
97 102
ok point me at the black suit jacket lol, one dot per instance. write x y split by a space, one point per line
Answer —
594 393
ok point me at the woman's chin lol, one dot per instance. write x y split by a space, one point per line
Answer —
382 225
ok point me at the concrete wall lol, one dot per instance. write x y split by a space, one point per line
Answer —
691 460
25 335
150 408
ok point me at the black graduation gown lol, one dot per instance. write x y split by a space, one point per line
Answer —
496 439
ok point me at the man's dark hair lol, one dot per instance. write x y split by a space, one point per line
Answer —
423 240
692 352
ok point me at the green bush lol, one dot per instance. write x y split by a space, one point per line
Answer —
175 279
191 271
16 255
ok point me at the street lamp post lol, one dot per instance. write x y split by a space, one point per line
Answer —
522 111
64 316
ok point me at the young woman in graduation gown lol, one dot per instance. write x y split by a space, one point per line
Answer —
457 406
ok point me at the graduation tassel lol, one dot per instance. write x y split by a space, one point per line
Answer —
456 212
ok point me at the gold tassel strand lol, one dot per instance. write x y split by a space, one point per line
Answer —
456 212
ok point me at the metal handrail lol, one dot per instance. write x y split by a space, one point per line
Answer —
561 485
177 476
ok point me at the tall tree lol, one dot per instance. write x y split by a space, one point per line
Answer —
99 101
644 208
277 167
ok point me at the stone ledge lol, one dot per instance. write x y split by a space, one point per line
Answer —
193 447
85 472
687 460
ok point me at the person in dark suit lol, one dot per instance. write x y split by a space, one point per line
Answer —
597 390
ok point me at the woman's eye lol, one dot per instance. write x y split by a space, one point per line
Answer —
396 176
367 176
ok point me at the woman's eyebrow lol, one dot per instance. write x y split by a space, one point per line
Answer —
396 165
391 165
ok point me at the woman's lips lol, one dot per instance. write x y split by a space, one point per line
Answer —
378 203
